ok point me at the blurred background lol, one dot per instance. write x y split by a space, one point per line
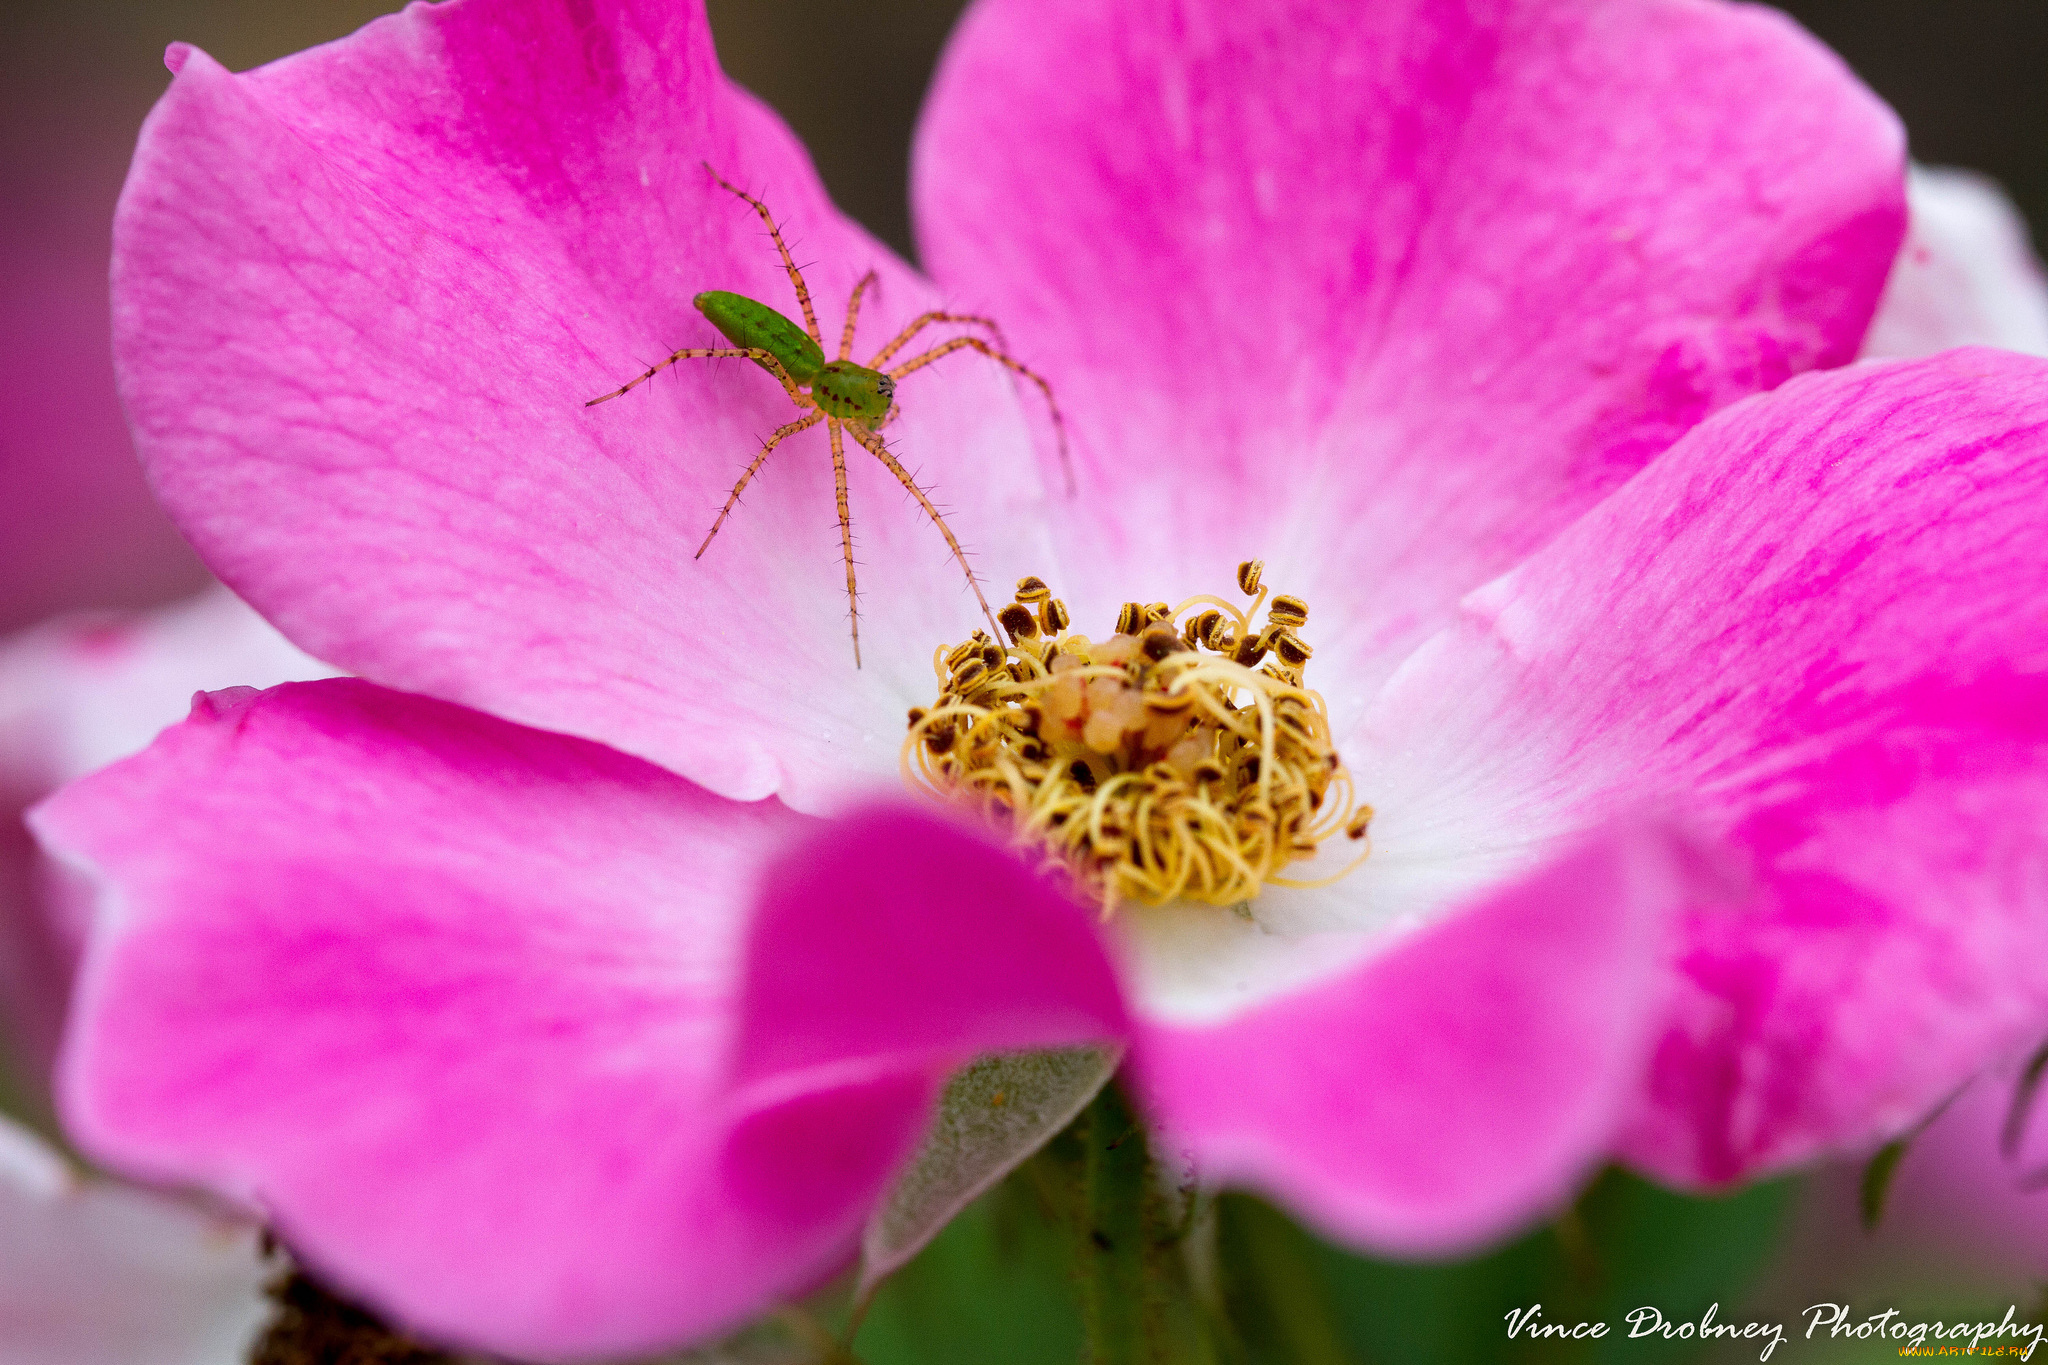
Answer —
77 530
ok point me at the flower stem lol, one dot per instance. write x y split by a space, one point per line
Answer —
1138 1302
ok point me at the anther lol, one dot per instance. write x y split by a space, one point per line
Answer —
1291 612
1158 641
1292 650
1032 590
1052 616
1130 618
960 654
968 676
1248 576
1198 627
1157 611
1018 620
1248 652
1359 823
917 713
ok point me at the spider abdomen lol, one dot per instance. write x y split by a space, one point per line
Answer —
751 323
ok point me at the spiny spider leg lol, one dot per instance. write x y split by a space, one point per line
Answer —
790 429
832 426
853 314
946 348
924 320
754 353
871 441
803 295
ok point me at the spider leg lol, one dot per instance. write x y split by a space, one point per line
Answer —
832 425
871 441
946 348
924 320
803 295
790 429
753 353
867 281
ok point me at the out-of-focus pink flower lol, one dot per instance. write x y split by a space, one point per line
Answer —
516 1034
76 694
78 527
1965 1217
1966 275
93 1274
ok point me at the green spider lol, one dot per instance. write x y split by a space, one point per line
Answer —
845 396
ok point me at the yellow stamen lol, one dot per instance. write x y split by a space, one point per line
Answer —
1162 763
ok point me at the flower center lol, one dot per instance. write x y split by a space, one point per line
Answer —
1180 758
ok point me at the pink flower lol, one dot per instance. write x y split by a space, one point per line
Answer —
565 1040
1965 1220
78 527
1966 275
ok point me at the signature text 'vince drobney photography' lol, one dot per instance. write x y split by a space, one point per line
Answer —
1822 1321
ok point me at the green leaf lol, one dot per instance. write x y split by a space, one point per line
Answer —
1680 1254
2014 1129
1877 1181
1275 1298
1877 1175
994 1288
1297 1300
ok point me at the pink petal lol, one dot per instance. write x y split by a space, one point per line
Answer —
473 1013
978 952
91 1274
361 296
1458 1084
450 1001
75 694
1388 294
1967 275
1818 622
897 941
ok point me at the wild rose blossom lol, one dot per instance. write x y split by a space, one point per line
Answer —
1397 338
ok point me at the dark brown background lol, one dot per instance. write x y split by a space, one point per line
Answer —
1970 78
